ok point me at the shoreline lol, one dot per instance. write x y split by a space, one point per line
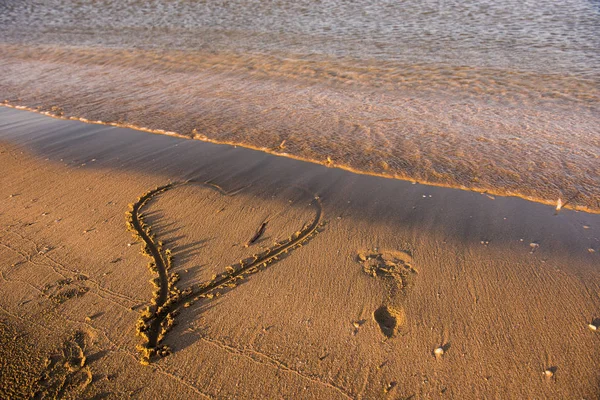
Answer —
524 136
254 170
565 203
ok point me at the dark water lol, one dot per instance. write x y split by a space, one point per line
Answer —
498 96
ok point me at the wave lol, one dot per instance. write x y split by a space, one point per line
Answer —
507 132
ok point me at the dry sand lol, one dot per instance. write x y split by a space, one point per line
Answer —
364 279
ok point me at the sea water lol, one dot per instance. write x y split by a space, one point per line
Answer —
494 96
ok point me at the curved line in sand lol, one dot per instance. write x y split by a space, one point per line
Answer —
159 318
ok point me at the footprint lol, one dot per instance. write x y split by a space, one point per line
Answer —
66 374
396 267
389 264
389 319
66 289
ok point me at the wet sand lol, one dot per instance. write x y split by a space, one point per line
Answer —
328 284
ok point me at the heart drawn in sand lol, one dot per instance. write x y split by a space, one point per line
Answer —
158 318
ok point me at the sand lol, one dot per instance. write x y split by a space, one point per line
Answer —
373 288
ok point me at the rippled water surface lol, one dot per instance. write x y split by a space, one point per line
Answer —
498 96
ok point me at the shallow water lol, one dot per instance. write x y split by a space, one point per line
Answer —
503 97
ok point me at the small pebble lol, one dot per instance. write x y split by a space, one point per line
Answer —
389 387
593 327
548 373
438 352
534 246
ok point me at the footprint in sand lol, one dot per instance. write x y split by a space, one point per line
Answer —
66 374
66 289
390 319
396 267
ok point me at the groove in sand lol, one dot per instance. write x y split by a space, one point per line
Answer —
158 318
